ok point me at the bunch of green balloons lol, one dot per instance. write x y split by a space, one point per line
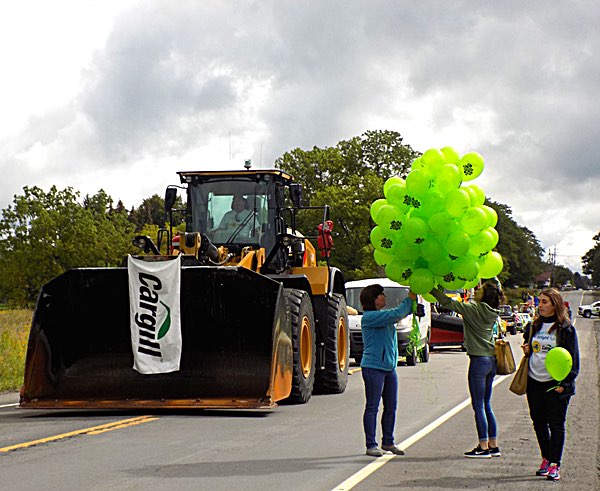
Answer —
432 229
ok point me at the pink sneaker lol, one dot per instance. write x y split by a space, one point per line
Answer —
553 473
543 470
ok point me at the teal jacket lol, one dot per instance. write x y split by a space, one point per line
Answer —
478 319
380 342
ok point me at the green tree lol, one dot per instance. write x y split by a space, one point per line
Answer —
520 249
591 261
44 234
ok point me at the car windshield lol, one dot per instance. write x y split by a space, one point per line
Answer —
505 310
393 296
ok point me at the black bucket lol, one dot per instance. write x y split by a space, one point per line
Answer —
233 327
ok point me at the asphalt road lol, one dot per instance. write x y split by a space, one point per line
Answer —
317 446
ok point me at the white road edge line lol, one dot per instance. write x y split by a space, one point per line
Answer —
366 471
10 405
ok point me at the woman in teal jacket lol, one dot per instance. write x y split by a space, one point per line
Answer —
379 360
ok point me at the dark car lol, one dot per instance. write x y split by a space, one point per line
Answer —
508 316
447 329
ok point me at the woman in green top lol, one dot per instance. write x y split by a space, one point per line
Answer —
479 318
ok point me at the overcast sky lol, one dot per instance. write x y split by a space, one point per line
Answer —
119 94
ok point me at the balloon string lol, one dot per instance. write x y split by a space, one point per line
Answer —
552 388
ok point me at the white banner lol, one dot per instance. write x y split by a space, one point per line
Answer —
155 320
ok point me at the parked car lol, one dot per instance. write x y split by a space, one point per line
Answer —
394 294
522 321
589 310
508 316
447 328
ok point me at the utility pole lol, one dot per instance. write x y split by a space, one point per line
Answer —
552 257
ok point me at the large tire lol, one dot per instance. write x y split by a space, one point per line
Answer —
303 343
411 358
334 378
424 353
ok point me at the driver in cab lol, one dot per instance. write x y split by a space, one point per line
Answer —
232 221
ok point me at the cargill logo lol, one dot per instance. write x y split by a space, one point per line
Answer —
147 314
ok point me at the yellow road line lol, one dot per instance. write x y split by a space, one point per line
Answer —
94 430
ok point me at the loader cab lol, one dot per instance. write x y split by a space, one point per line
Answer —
213 206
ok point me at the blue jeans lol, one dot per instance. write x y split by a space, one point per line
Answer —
482 370
380 384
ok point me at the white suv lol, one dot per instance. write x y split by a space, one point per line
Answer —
394 294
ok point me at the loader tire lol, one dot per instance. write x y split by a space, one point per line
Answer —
303 343
334 378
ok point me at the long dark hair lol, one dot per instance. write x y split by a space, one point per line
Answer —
491 294
559 310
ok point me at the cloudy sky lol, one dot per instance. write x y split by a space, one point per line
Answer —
120 94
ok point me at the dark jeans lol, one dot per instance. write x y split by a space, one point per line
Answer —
380 384
548 413
482 370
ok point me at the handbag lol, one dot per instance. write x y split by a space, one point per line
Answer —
519 381
504 357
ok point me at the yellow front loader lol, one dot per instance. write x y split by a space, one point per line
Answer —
261 321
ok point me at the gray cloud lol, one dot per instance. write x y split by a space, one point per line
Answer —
518 78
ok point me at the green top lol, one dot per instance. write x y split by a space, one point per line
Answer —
478 318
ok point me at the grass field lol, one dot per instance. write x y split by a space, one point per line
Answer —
14 331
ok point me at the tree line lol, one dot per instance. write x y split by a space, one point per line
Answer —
43 234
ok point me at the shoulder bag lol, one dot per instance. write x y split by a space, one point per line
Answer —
519 381
504 357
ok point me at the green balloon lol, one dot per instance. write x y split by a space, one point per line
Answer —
476 194
418 182
495 235
558 363
491 215
474 220
400 271
481 243
377 204
442 267
442 224
451 281
433 159
396 196
490 265
432 202
432 250
382 258
471 284
415 230
466 268
421 281
458 243
390 218
390 182
417 164
428 297
406 251
451 155
383 240
457 202
448 178
471 166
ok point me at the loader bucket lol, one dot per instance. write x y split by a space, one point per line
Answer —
236 344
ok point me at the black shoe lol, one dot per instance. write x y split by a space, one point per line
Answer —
478 453
392 448
495 451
